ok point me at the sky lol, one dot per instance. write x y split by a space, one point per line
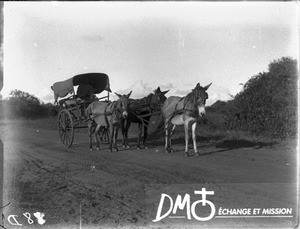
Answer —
143 45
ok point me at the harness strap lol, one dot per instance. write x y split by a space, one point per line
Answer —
140 118
190 112
175 111
178 103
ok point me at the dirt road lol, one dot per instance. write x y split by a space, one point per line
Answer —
78 188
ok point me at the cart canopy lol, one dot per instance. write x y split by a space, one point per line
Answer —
97 82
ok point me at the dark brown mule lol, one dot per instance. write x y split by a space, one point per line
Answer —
140 112
184 111
108 114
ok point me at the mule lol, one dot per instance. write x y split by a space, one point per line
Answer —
107 114
184 111
142 114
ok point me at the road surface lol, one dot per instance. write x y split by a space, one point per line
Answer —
77 188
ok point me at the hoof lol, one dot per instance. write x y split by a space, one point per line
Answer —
145 147
116 149
98 148
127 147
197 154
91 149
186 154
138 148
110 150
171 151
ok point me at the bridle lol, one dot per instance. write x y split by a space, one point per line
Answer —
195 96
124 107
116 112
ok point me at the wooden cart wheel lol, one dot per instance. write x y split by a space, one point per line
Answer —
65 127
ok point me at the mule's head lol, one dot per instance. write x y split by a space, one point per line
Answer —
123 104
200 96
159 96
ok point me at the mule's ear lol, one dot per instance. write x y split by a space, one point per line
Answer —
198 85
128 95
206 87
118 94
157 90
165 92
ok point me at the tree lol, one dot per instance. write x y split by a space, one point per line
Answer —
23 104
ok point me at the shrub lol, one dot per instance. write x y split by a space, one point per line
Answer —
267 105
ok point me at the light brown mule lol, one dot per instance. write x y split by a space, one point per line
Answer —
109 114
184 111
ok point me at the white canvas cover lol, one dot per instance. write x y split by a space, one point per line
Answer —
62 88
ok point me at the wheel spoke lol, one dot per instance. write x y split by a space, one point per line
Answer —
61 133
62 124
63 137
60 121
65 127
67 138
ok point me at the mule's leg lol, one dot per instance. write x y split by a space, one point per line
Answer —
167 138
194 126
170 138
97 135
126 134
91 130
145 132
90 136
140 126
125 127
116 137
169 131
112 129
106 134
100 133
186 131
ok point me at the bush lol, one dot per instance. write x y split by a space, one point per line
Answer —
267 105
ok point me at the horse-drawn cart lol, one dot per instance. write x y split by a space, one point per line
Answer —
72 105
